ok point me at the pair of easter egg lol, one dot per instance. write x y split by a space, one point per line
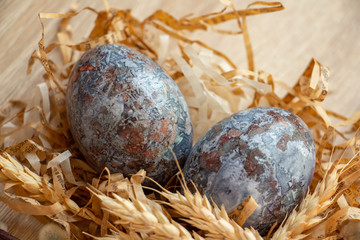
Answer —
125 113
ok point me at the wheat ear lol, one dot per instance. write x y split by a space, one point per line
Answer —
139 216
197 211
39 188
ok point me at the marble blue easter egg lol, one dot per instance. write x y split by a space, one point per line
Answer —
266 153
125 112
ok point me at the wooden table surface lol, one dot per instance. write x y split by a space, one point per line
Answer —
283 44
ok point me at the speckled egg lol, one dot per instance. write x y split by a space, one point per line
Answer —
125 112
266 153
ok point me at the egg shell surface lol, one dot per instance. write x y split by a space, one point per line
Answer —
125 112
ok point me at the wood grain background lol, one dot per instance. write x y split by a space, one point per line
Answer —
283 44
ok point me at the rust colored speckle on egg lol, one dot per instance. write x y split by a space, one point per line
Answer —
282 143
251 165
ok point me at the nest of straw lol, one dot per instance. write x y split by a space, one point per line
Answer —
44 173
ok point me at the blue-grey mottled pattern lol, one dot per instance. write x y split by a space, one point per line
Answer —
267 153
125 112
